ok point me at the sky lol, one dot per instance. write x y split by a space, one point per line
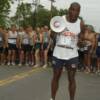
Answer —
90 9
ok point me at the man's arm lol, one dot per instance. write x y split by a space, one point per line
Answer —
81 35
53 37
82 26
94 43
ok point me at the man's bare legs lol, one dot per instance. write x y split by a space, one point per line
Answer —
55 82
72 82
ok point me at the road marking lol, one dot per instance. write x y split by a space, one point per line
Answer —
19 76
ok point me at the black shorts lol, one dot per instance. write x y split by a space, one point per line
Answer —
37 46
12 46
98 52
45 45
1 49
58 63
32 49
26 47
5 50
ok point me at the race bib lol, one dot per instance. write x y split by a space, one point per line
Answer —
25 41
68 41
46 40
64 40
85 48
0 39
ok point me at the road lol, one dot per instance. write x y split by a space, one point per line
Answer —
27 83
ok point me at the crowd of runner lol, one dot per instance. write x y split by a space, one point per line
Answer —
33 47
24 46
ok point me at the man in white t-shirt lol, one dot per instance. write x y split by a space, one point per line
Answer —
66 51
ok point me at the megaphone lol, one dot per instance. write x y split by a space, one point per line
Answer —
57 24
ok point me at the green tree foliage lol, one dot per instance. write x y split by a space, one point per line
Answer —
62 12
4 10
54 11
38 17
23 14
42 16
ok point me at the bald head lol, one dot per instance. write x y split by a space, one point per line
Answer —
74 11
75 4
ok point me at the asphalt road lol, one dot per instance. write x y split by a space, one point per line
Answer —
28 83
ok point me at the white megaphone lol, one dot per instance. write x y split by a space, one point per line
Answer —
57 24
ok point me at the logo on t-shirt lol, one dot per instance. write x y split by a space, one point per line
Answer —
67 37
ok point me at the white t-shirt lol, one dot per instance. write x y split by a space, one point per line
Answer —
68 37
25 39
12 37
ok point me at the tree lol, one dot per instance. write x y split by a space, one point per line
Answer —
54 11
23 14
4 11
38 17
42 16
63 12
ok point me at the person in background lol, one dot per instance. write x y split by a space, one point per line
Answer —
38 43
46 45
2 44
89 47
21 32
25 47
98 53
81 53
12 45
32 34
